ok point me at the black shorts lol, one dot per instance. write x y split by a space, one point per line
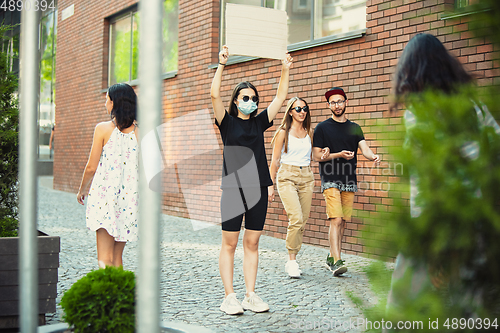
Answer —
236 202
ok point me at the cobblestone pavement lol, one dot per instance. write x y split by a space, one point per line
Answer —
191 289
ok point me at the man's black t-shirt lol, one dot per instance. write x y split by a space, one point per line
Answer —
244 152
339 173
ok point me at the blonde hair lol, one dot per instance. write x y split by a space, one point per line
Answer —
286 123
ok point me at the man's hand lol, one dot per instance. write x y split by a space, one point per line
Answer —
348 155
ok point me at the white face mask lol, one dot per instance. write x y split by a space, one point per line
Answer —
247 107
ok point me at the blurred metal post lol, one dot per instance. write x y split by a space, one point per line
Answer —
28 142
150 115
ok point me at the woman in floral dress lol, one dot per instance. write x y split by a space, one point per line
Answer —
111 177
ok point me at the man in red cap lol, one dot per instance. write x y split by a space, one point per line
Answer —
335 144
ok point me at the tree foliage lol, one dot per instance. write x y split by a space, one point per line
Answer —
9 145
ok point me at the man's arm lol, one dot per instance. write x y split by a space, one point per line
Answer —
367 152
323 154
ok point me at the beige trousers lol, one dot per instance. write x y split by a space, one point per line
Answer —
295 187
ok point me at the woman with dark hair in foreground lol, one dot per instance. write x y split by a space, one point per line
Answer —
111 177
426 66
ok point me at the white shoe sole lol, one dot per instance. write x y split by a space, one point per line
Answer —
340 271
249 307
237 312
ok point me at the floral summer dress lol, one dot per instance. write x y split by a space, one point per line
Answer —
113 196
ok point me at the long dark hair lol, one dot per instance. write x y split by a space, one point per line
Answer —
286 123
233 109
124 105
426 64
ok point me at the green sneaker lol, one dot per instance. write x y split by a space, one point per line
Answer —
330 262
339 268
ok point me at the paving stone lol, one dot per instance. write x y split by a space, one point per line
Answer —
191 290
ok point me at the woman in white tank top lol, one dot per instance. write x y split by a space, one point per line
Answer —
295 180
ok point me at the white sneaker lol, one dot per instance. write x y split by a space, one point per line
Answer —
254 303
292 268
231 305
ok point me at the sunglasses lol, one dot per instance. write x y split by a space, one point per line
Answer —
255 99
300 109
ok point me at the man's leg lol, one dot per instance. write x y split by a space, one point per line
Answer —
347 200
335 237
335 213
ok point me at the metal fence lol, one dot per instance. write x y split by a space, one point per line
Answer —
148 305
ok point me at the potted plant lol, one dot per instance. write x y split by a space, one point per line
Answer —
48 247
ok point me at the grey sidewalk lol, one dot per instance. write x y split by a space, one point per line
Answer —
191 289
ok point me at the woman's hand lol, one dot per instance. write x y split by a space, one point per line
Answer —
81 196
287 62
270 193
223 55
325 153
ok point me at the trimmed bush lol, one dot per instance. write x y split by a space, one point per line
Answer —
101 301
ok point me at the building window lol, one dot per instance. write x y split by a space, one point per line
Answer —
124 43
310 20
48 34
461 3
124 48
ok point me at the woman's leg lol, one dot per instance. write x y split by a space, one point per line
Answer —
288 191
250 258
305 193
105 248
117 253
226 259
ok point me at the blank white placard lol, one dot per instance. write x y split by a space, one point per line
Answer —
256 31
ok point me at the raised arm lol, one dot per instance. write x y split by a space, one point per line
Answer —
367 152
217 104
275 106
92 163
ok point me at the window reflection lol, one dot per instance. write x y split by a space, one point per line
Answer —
124 43
322 17
46 112
120 42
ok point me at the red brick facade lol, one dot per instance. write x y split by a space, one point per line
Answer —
363 66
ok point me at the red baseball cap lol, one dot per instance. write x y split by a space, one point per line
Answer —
335 91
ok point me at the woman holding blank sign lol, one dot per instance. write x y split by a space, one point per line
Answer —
245 179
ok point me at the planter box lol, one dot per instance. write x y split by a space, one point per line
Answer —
48 263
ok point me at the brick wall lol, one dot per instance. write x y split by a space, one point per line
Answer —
363 66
